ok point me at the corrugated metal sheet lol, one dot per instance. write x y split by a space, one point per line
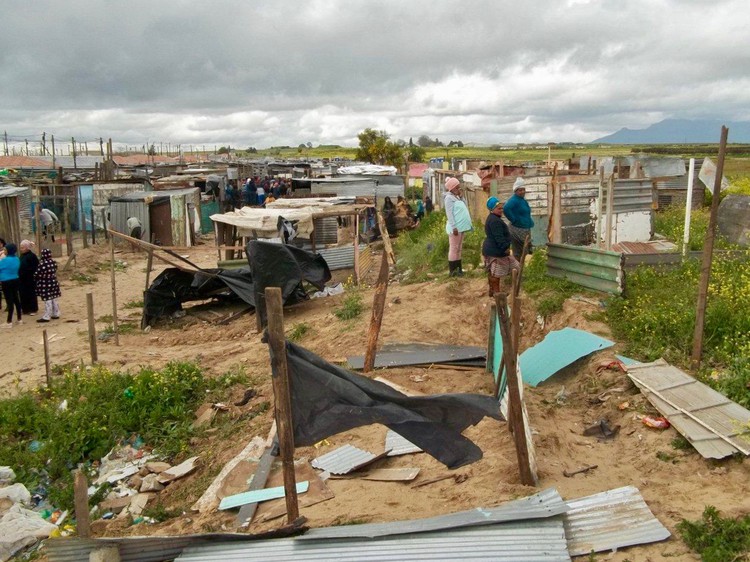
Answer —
340 257
537 541
326 231
120 211
709 420
398 445
343 460
630 195
357 188
611 520
590 267
542 505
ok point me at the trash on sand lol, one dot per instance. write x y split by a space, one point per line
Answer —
20 528
391 474
337 289
457 478
345 459
623 405
655 422
601 430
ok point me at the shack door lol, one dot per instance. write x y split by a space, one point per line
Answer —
160 217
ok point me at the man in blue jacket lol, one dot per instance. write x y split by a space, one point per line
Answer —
518 212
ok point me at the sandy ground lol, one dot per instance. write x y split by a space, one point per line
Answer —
453 312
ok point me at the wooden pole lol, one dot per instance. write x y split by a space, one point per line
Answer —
83 226
104 224
599 208
282 395
610 213
114 292
513 281
92 327
149 264
556 233
515 409
708 254
68 233
378 306
38 223
81 503
356 249
524 252
47 369
93 227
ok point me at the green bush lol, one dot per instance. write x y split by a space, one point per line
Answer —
351 307
715 538
549 293
85 413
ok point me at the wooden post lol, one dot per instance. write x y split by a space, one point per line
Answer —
599 208
68 233
47 369
104 224
92 327
114 292
81 503
83 229
93 227
708 254
556 224
515 409
378 306
610 212
282 395
524 253
38 223
356 248
513 281
149 263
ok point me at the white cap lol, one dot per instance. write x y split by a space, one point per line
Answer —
518 183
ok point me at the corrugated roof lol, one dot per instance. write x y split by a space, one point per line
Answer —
709 420
23 162
611 520
343 460
398 445
542 505
537 541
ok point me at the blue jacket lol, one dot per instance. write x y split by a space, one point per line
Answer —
518 212
9 268
497 243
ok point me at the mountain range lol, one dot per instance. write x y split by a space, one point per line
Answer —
680 131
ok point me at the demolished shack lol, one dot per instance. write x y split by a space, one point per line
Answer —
270 265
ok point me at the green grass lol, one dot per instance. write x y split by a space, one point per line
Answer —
84 278
716 538
133 304
351 307
549 293
298 331
43 443
123 328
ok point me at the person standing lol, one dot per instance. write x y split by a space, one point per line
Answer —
428 206
518 212
48 219
26 283
496 247
458 223
9 280
48 288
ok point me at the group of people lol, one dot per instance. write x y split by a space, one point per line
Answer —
504 242
25 279
255 192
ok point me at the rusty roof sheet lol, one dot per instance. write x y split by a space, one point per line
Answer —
611 520
709 420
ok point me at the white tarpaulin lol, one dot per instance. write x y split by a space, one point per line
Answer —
265 222
371 169
20 528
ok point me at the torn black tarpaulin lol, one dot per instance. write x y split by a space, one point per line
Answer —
327 399
273 265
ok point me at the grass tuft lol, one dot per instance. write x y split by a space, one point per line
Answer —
716 538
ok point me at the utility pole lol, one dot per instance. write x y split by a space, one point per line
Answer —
53 156
27 146
73 142
5 146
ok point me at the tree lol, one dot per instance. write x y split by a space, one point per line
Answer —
411 142
375 147
152 150
223 150
416 154
424 141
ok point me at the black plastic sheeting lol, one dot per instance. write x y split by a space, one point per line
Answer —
327 399
271 265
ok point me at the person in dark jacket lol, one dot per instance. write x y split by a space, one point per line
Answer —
26 283
518 212
9 266
496 247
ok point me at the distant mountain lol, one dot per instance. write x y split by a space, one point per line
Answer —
680 131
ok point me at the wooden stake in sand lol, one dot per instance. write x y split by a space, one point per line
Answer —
47 369
81 502
282 395
92 327
114 291
378 306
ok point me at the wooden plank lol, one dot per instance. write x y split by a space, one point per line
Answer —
81 502
92 327
378 307
386 239
282 395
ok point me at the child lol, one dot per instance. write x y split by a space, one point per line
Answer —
47 286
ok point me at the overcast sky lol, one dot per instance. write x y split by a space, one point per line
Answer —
262 73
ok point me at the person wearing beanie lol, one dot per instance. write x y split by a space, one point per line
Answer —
496 247
9 267
518 212
458 223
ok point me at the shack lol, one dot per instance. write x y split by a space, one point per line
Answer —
169 218
15 205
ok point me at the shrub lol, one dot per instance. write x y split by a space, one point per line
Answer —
715 538
549 293
350 308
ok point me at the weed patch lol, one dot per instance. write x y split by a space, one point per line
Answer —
84 278
351 307
716 538
133 304
298 331
549 293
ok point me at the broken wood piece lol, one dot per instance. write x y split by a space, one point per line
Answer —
571 473
457 478
257 496
391 474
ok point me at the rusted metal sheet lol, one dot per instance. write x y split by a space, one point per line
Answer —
590 267
610 520
713 424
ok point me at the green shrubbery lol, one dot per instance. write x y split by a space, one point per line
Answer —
425 249
549 293
716 538
47 433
